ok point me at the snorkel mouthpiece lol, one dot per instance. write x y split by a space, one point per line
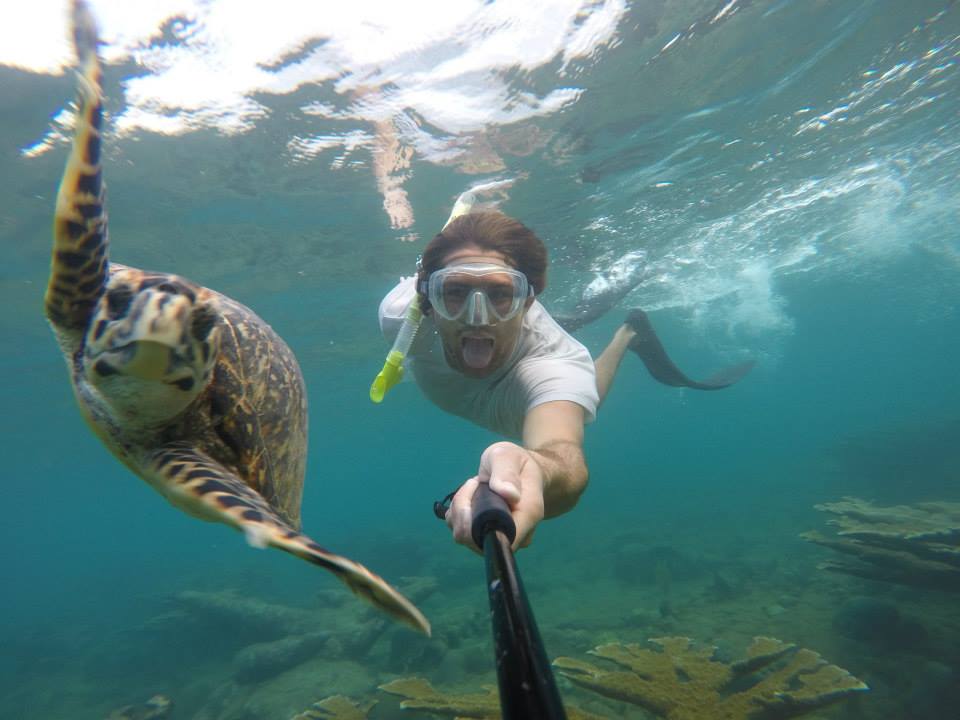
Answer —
389 376
392 371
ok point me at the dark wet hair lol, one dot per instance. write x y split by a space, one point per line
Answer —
487 230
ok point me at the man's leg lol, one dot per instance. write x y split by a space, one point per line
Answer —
637 334
608 361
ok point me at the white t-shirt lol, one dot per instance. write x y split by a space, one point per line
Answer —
547 364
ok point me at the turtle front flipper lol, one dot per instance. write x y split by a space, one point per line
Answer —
199 485
78 268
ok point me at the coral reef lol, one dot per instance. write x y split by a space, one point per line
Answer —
917 545
260 661
254 616
156 708
879 624
640 563
268 638
679 681
336 707
420 695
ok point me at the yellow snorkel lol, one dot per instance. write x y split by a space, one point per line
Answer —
392 371
393 366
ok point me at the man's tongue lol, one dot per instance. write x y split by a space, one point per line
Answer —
477 352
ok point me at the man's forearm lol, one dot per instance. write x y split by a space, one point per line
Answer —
564 475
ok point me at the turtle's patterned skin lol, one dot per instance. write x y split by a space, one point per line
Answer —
189 389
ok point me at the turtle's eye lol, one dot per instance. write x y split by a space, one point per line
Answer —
118 302
202 322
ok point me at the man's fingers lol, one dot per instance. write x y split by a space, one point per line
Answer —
461 524
501 465
515 476
460 515
507 486
524 540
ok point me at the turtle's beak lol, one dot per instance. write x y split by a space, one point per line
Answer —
163 338
148 359
151 341
144 359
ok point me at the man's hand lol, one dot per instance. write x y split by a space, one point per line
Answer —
516 476
545 480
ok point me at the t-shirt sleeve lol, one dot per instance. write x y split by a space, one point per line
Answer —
569 377
393 308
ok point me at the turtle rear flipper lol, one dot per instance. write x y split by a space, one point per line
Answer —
201 486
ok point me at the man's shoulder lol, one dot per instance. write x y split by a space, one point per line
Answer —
555 366
395 303
545 339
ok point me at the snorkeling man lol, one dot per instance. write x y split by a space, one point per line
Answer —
481 346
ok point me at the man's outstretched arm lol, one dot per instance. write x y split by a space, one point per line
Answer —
543 478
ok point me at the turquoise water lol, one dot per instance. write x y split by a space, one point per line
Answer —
777 178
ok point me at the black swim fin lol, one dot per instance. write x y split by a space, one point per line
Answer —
647 345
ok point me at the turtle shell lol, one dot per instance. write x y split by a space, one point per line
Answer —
253 415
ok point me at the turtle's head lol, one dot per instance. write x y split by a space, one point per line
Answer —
152 345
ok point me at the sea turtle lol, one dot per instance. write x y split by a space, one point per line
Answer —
189 389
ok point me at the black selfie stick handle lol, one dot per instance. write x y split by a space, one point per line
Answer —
527 686
490 512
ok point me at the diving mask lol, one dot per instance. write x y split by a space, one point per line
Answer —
478 293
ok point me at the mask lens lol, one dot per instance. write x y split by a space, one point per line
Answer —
501 295
456 290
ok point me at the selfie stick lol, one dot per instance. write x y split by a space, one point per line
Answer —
527 687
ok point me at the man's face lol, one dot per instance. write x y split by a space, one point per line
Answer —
477 350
